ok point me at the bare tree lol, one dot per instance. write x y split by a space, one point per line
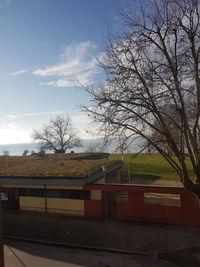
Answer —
6 153
94 147
26 151
172 119
155 62
58 135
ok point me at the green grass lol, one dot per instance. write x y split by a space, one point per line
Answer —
149 165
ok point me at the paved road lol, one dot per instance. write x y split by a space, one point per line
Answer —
20 254
130 236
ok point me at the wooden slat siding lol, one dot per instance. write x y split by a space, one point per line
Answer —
121 196
95 194
162 199
76 213
52 211
32 209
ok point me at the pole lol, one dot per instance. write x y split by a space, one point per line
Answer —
45 198
106 195
1 238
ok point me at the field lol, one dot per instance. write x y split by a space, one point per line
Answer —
149 168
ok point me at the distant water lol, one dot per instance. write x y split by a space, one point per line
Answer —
18 149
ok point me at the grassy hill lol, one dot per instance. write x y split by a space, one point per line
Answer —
148 167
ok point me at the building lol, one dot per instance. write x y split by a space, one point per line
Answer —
54 183
89 185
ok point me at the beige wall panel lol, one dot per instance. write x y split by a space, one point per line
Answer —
100 181
63 203
21 186
95 194
64 187
35 202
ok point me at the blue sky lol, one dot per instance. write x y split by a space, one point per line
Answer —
48 54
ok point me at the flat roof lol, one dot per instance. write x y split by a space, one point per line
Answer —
56 166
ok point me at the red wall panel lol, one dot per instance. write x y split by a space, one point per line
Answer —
93 208
135 208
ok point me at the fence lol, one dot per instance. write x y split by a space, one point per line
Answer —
158 204
173 205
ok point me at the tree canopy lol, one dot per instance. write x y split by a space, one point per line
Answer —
152 66
58 135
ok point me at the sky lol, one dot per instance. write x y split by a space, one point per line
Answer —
48 56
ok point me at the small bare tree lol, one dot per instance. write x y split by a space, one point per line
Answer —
95 147
58 135
6 153
26 151
155 62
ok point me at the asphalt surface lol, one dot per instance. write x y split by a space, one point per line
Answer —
21 254
128 236
148 244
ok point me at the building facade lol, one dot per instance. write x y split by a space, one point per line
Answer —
65 195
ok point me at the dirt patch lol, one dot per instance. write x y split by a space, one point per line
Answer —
150 180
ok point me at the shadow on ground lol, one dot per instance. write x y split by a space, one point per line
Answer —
41 255
129 236
189 257
138 178
147 179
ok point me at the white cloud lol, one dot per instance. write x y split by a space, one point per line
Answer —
35 114
12 117
79 80
12 125
19 72
84 125
77 67
61 83
11 133
14 136
81 120
9 126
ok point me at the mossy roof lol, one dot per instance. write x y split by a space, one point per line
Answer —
51 165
